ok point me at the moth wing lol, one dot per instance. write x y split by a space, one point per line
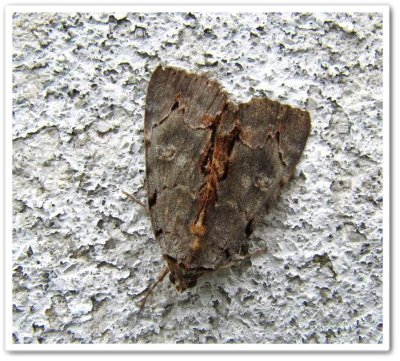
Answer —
271 141
175 135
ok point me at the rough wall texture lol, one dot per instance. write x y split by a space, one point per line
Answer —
83 251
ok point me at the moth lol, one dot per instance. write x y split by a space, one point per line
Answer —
213 169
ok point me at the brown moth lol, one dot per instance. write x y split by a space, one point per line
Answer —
213 168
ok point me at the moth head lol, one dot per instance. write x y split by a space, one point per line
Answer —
181 275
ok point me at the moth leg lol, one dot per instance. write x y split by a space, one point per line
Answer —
160 278
241 258
136 200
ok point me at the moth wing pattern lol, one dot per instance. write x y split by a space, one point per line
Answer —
272 138
213 166
174 138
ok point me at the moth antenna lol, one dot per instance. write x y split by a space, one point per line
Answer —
160 278
136 200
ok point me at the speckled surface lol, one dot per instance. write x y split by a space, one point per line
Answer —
83 251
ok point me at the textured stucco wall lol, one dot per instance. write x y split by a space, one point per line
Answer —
82 251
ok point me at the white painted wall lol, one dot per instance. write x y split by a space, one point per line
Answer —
83 250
